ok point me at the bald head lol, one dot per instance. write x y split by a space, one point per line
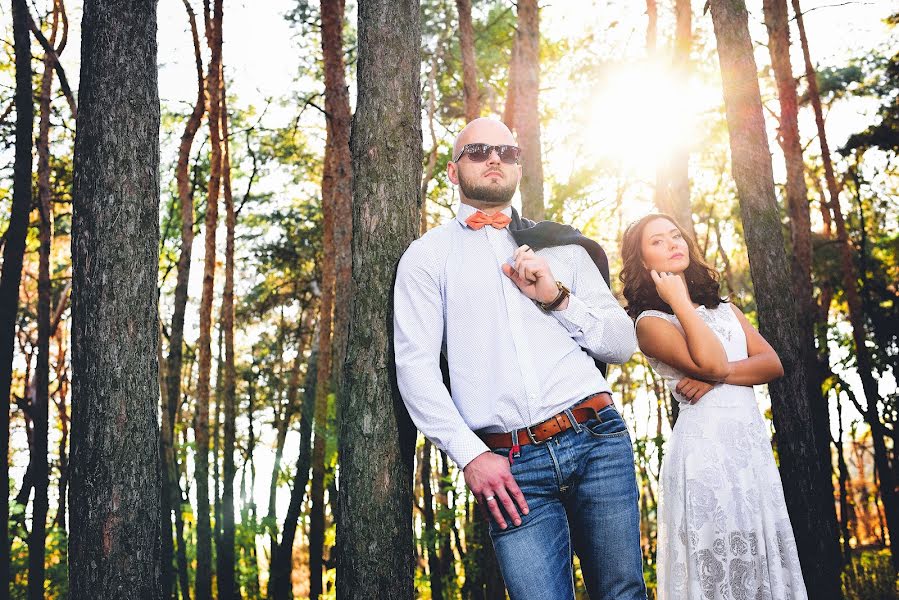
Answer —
483 131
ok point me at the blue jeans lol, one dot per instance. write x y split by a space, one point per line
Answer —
581 490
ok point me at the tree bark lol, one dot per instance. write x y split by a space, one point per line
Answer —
203 583
13 254
809 497
376 442
470 91
527 109
40 409
114 547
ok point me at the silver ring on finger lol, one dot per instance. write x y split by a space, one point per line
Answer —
489 498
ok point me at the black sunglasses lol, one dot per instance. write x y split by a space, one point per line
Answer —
481 152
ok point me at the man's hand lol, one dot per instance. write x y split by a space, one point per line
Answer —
490 479
532 275
693 389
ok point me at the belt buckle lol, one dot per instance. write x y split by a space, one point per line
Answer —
534 439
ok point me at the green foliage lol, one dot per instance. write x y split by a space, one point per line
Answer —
870 576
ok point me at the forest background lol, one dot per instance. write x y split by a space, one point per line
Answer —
620 107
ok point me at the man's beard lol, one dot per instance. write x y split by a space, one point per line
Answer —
487 193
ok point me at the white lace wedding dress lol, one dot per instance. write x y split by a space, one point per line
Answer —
724 531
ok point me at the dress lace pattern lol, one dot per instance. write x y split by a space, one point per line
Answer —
724 531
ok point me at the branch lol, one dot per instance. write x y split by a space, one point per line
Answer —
60 72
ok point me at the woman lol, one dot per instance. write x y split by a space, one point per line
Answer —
724 531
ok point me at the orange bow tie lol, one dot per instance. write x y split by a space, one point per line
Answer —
479 219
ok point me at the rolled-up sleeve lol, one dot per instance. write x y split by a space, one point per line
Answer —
593 317
418 336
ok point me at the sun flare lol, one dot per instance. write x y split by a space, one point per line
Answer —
643 112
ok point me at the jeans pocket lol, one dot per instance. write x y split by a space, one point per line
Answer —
609 425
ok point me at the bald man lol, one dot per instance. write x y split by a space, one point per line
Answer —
529 416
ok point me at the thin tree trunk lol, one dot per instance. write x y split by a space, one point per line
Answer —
227 587
63 416
176 337
776 20
809 497
203 581
469 66
513 83
40 409
13 254
376 442
337 105
527 109
652 26
114 544
435 574
282 561
673 177
843 478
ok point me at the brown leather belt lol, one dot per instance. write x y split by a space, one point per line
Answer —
584 410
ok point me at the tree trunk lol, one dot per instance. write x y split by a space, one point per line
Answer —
376 442
282 561
809 497
652 26
40 409
673 177
13 253
203 581
527 109
114 548
337 105
469 66
176 338
63 415
776 20
435 573
513 82
227 587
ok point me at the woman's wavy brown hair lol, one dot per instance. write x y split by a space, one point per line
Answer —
639 288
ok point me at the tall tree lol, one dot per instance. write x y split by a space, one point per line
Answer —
114 544
40 409
336 269
851 278
14 252
376 442
282 561
172 487
227 587
203 583
470 91
777 23
673 179
808 495
527 108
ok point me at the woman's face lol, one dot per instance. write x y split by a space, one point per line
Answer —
663 248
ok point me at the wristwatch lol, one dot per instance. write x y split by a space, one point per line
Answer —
564 292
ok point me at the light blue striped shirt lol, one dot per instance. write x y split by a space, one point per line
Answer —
511 364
